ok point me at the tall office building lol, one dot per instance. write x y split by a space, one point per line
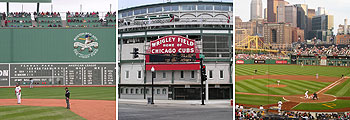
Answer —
302 16
256 9
291 15
310 13
272 9
321 11
322 26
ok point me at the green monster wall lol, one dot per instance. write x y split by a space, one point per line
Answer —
38 45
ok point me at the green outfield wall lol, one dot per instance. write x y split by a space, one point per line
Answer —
251 61
37 45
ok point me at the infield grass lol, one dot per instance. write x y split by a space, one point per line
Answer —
20 112
324 106
256 100
86 93
291 70
342 90
294 87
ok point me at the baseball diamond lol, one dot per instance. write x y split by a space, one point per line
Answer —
253 89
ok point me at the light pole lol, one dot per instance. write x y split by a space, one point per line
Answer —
152 69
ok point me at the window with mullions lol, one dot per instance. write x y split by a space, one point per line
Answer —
126 74
221 74
171 8
205 7
188 7
124 14
136 91
140 11
154 9
121 90
192 74
211 74
164 91
158 91
225 8
129 13
182 74
164 74
139 74
217 7
216 45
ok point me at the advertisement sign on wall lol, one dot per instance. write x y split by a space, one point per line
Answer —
165 53
281 62
240 62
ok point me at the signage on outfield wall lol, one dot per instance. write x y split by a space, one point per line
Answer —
85 45
259 61
240 62
281 62
165 54
4 74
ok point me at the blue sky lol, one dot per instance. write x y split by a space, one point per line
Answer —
339 8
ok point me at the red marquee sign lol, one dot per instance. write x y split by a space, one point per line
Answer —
171 46
281 62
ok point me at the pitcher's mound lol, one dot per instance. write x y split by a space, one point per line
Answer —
276 86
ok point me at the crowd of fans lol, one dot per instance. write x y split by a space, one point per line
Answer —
242 113
333 50
19 14
53 19
259 56
110 14
81 14
47 14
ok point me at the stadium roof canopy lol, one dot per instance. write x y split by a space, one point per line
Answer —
27 1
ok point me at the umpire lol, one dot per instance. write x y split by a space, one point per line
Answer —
67 98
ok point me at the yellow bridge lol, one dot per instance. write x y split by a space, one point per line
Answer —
254 43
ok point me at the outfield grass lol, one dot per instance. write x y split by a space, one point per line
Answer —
20 112
86 93
291 70
256 100
324 106
294 87
342 90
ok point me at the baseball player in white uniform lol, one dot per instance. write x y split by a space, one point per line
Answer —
31 83
18 93
306 94
279 105
316 75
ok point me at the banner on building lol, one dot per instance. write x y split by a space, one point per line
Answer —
173 53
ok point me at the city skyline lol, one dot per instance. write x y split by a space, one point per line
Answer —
337 8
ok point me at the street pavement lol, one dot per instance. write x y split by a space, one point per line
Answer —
131 109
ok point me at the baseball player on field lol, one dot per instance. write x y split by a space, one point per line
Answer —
67 98
279 105
18 93
31 83
306 94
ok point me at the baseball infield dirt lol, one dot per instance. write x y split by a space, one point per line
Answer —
88 109
294 100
